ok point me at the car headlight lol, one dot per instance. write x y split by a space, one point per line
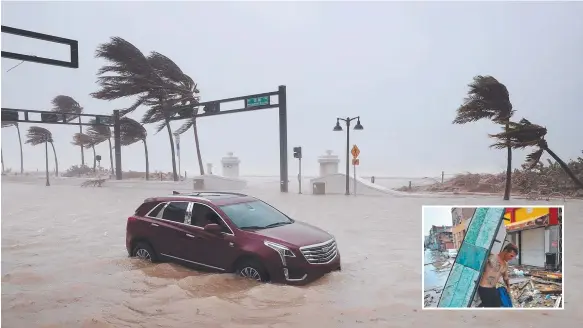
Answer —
283 251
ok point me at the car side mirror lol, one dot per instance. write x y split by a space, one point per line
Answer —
213 228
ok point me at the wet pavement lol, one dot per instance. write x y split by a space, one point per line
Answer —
64 264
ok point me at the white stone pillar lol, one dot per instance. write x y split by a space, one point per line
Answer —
230 166
328 163
209 168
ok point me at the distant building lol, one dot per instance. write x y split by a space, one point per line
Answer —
440 238
461 218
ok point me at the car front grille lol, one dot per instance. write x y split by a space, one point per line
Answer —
320 253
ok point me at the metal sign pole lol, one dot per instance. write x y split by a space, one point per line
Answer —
354 180
300 177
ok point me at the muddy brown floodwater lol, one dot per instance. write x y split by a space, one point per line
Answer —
64 264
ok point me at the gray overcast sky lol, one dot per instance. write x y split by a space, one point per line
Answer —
435 215
403 67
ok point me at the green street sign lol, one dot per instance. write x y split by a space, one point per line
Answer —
257 101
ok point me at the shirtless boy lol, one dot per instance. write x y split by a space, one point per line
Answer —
496 267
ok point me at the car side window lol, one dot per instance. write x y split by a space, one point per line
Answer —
203 215
175 211
156 211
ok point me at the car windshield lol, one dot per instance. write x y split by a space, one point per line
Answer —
255 215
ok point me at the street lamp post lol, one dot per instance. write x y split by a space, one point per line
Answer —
358 126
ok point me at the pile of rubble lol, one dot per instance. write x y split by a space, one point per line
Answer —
431 297
536 289
543 178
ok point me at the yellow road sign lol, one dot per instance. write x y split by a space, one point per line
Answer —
355 151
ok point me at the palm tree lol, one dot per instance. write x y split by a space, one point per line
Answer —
36 136
526 134
7 124
131 132
67 105
185 93
101 132
84 140
192 123
489 99
151 79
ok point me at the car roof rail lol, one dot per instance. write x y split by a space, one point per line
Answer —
208 193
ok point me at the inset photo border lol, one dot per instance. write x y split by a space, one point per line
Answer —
493 257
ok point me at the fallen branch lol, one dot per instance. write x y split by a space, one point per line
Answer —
546 282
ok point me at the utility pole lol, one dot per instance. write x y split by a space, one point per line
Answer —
298 155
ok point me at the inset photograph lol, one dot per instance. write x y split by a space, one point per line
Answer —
493 257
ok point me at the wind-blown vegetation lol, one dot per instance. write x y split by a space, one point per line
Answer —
84 140
101 133
15 124
544 178
155 81
489 99
131 132
67 105
526 134
36 136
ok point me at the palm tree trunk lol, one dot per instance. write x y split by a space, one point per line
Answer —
565 168
56 161
82 152
508 167
21 156
164 108
94 159
110 155
200 164
172 150
147 161
47 162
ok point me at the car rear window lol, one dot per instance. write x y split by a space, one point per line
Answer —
145 208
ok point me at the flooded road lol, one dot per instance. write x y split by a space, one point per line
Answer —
435 269
64 264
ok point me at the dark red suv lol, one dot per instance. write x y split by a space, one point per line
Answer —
231 232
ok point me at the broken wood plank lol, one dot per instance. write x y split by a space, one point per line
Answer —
558 302
550 291
523 285
546 282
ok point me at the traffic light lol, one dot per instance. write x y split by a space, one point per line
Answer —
298 152
49 117
9 116
213 107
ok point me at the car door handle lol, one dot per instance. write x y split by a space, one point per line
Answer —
154 225
190 236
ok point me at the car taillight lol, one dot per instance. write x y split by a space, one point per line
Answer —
132 219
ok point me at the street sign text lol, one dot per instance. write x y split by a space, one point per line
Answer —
257 101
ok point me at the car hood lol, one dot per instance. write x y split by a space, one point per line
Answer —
297 234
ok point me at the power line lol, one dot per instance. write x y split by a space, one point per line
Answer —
13 67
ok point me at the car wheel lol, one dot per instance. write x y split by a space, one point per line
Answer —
145 252
252 269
